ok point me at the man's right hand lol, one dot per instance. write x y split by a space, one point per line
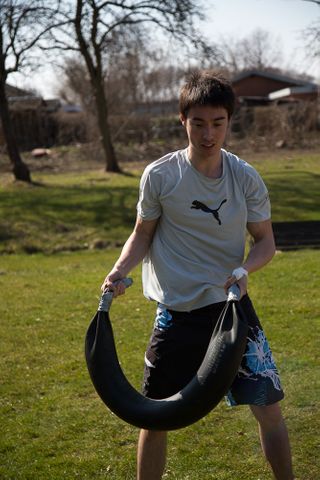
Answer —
113 283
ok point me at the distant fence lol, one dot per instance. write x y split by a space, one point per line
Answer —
296 235
273 123
38 128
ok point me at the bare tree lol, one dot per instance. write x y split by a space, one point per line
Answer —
258 50
22 26
99 24
74 84
311 36
135 74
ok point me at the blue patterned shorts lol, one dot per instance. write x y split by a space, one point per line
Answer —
178 344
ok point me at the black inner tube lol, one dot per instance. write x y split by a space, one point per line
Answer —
205 390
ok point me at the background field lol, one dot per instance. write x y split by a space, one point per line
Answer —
74 210
53 426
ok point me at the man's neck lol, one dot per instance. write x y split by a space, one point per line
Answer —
211 167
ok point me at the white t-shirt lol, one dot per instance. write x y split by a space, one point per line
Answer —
200 237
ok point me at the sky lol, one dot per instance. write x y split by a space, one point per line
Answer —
284 19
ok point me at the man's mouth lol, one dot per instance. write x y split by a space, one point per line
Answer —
207 145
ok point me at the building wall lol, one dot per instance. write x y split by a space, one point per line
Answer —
258 86
304 96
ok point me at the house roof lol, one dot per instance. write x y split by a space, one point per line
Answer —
285 92
15 92
20 99
272 76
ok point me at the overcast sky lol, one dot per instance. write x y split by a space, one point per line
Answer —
284 19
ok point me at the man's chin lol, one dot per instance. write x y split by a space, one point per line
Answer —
208 151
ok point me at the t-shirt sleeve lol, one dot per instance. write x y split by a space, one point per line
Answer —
149 207
257 198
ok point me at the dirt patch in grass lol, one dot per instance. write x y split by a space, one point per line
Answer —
84 157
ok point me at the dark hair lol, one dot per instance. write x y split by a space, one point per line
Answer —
205 87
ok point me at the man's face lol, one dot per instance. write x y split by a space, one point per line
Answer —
206 127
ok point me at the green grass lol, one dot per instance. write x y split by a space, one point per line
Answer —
292 179
53 425
67 212
73 211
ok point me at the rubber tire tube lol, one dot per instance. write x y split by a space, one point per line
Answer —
205 390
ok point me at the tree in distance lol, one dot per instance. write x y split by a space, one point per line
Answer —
94 28
22 26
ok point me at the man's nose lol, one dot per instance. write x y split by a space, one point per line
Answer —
208 133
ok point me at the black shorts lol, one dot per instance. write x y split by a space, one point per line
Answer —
179 342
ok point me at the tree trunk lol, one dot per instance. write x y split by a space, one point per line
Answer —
97 82
20 169
102 112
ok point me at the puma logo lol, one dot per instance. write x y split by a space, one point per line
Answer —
201 206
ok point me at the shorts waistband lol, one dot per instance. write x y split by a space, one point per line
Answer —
203 314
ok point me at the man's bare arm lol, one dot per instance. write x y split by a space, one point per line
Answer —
133 252
263 248
260 253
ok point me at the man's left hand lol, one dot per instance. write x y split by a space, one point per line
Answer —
242 283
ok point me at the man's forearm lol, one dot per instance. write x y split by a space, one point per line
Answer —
135 248
133 252
264 247
260 254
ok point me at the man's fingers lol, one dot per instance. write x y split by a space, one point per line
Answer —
242 283
120 289
230 281
117 288
105 286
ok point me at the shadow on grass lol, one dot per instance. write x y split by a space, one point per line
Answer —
294 196
92 211
62 209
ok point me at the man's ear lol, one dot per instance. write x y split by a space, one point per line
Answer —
182 119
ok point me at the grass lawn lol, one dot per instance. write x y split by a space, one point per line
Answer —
53 425
67 212
72 211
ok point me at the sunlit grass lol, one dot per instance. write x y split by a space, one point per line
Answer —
54 426
81 210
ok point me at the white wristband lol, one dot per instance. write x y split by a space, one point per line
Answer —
239 273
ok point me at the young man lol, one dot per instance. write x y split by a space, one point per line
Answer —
194 209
